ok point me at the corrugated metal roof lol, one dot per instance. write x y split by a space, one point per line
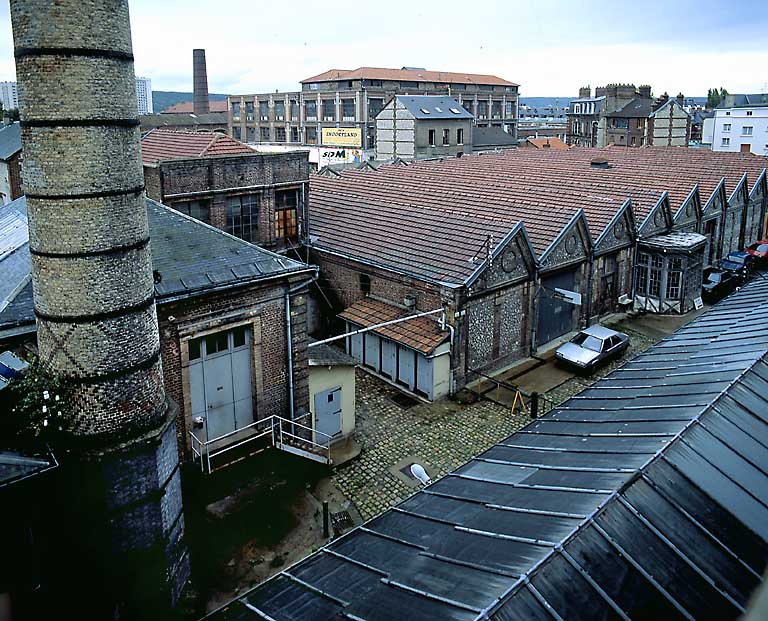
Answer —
644 497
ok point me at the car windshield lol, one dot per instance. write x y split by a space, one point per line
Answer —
587 341
762 248
715 277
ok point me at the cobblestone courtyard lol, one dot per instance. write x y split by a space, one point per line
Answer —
442 435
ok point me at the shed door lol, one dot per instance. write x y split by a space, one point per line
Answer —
389 358
406 367
220 380
555 316
425 376
328 414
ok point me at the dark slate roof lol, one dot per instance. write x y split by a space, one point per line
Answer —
639 107
491 137
437 107
190 256
326 355
644 497
15 466
747 100
10 140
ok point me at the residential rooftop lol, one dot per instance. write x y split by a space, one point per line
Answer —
407 75
10 140
437 107
644 497
165 144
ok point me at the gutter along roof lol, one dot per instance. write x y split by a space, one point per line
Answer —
644 497
431 217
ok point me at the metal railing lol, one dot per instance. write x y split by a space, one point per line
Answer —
271 427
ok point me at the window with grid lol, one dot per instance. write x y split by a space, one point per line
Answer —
243 216
747 130
348 109
294 110
459 136
641 284
482 109
279 110
285 214
446 136
496 110
249 110
264 110
199 210
329 110
431 137
251 134
674 278
280 134
654 276
375 105
236 111
311 135
236 133
294 134
264 134
310 110
469 106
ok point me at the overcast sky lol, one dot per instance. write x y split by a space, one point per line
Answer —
548 47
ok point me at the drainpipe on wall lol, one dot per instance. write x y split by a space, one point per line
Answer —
289 341
590 281
534 310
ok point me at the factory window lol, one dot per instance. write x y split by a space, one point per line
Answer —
431 137
264 110
294 110
409 84
279 110
249 111
199 210
294 134
674 277
286 202
482 109
469 105
310 110
496 110
509 109
376 83
311 135
446 136
251 134
654 276
329 110
235 111
348 109
314 86
236 133
264 134
280 134
459 136
641 284
486 87
374 106
243 216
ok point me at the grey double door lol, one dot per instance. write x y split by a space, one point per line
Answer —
220 380
555 316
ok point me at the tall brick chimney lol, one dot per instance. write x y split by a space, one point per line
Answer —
93 289
200 78
585 92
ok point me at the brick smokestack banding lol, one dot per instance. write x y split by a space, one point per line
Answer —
94 294
200 79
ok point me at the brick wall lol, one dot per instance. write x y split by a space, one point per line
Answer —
14 176
263 308
217 178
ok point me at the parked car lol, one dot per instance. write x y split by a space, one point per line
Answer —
717 284
591 347
759 250
739 263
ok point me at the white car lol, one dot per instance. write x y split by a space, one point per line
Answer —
591 347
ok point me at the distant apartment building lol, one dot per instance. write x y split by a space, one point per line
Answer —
740 123
620 114
144 95
351 99
419 127
9 95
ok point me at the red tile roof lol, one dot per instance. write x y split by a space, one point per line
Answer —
186 107
422 334
430 218
548 143
407 75
164 144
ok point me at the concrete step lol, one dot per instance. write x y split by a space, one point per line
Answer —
288 448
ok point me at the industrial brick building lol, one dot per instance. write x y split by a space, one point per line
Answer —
353 98
10 161
480 243
621 115
222 306
258 197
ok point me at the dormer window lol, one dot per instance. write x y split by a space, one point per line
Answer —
455 110
425 111
438 109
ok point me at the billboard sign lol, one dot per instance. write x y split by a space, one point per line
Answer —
342 137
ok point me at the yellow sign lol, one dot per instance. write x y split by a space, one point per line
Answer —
342 137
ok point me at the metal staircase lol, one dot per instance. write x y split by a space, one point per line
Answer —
273 431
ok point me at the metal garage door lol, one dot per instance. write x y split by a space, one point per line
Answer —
555 316
220 380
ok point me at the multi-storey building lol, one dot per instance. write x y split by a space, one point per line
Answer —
341 98
622 115
740 124
144 95
9 95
